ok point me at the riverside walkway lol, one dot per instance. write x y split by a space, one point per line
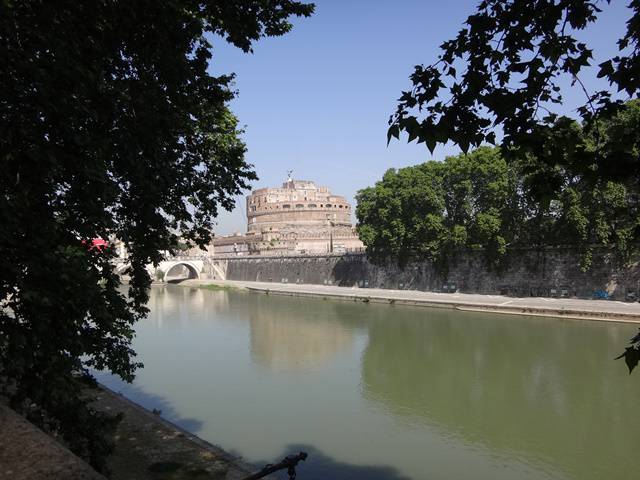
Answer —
572 308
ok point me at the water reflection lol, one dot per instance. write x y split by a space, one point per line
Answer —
149 400
288 336
284 335
391 392
547 389
184 305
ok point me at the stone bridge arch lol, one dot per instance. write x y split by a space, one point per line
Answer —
197 268
194 268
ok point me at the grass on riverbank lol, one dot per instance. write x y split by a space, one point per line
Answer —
220 288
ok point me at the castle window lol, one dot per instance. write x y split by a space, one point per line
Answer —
328 205
312 205
286 205
340 206
299 205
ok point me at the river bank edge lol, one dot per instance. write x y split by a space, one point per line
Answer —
570 309
148 445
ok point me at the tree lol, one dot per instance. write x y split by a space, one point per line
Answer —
401 216
494 199
502 74
433 210
111 127
504 69
568 201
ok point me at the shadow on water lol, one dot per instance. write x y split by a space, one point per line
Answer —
150 401
320 466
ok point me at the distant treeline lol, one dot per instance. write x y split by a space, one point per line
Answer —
571 186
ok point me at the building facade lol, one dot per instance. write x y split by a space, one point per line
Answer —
297 218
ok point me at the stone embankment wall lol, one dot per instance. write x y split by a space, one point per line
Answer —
546 272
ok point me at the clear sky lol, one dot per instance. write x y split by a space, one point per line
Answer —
317 100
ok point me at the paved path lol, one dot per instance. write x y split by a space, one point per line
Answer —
605 310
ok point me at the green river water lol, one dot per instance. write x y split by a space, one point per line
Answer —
389 392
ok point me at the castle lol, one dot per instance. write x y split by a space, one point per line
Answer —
297 218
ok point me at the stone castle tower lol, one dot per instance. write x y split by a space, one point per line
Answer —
299 217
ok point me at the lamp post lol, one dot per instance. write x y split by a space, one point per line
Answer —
330 232
331 237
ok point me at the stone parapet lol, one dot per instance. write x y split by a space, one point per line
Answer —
539 273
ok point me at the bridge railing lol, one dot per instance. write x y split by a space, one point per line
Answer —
120 261
186 257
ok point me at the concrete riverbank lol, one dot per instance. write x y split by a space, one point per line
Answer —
147 447
570 308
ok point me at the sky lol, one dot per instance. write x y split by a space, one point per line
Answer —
317 100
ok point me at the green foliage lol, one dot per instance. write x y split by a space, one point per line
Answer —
499 198
402 215
112 127
631 354
221 288
432 210
505 68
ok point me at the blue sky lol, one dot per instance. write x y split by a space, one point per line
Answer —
318 99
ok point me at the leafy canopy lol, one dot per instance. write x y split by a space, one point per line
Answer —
431 210
504 69
494 199
111 126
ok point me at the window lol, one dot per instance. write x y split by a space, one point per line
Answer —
328 205
286 205
299 205
312 205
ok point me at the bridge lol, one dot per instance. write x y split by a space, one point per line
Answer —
178 268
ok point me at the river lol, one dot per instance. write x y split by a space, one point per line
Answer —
387 392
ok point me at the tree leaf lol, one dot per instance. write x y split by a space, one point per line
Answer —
631 357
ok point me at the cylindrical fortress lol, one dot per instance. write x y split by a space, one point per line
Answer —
298 204
298 218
